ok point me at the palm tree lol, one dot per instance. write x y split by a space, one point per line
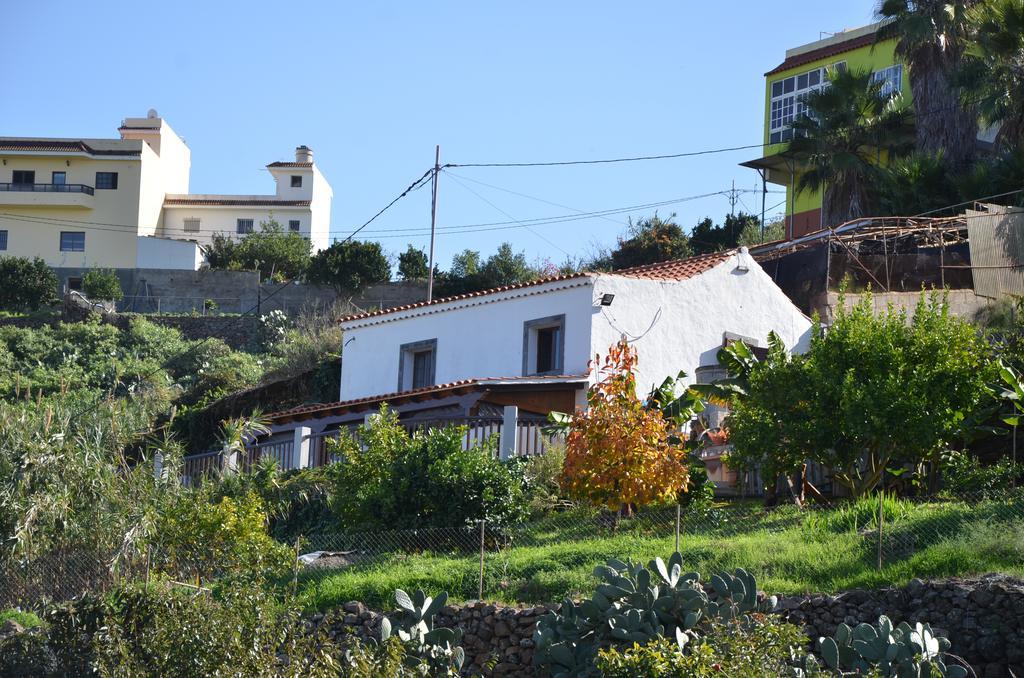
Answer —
932 36
849 127
993 68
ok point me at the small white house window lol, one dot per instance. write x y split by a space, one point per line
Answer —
293 225
296 181
243 226
544 345
191 225
417 364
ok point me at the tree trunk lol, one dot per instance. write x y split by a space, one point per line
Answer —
942 122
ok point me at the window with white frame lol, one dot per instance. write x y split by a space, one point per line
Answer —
243 226
891 79
788 95
191 225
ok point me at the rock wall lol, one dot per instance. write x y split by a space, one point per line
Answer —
983 618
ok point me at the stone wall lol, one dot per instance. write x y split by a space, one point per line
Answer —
983 618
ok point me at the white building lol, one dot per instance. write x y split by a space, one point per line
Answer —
530 345
125 203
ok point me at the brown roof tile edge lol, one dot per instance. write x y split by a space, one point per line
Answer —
824 52
703 262
290 164
424 391
268 203
59 147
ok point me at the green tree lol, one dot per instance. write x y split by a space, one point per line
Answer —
848 128
993 70
507 267
876 392
707 237
102 284
932 36
349 266
26 285
647 241
773 231
916 184
275 253
465 264
413 264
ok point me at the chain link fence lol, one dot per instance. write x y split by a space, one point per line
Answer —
814 548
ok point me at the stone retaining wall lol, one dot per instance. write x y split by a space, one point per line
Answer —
983 618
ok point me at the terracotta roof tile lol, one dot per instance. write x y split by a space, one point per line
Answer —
680 269
306 411
59 146
250 202
459 297
824 53
290 164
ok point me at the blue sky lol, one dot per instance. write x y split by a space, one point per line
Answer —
373 86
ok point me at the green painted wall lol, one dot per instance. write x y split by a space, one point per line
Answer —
873 57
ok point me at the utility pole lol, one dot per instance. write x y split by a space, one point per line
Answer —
433 222
732 199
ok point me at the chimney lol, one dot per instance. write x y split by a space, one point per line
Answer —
303 154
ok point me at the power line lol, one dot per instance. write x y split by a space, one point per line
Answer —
531 230
669 156
413 186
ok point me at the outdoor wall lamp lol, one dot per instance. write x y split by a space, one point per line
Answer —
607 299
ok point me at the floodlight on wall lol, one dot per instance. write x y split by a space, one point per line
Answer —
607 299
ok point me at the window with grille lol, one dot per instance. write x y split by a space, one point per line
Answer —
72 241
191 225
3 240
23 177
244 226
293 224
107 180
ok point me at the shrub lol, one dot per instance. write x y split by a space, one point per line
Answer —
750 648
275 253
618 451
102 284
349 266
391 479
370 660
167 630
27 654
26 285
964 474
26 620
540 479
200 540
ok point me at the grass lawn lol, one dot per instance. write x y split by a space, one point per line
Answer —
788 551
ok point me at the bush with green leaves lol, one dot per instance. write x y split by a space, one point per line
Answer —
349 266
164 629
391 479
964 474
26 284
753 648
277 254
197 539
102 284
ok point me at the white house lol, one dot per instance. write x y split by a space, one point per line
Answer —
530 345
124 203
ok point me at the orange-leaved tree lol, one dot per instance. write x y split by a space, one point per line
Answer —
618 452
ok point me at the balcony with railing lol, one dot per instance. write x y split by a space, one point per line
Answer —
46 195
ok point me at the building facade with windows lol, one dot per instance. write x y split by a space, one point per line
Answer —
121 203
804 70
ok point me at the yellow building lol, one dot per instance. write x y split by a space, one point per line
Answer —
125 203
804 71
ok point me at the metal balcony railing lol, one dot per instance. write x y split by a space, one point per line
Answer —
48 188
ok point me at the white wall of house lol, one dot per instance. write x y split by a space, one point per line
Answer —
164 253
320 212
681 325
476 337
224 220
